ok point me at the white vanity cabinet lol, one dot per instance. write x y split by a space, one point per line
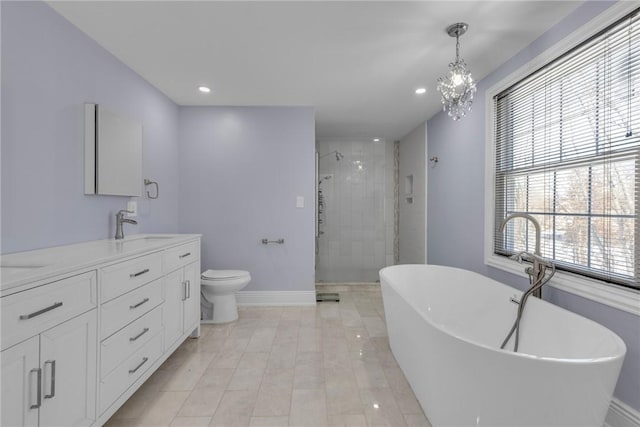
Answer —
49 379
83 330
182 292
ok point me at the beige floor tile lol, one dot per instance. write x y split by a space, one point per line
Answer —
343 398
261 340
248 374
349 420
269 422
273 401
215 377
190 422
163 409
381 408
323 365
202 402
308 374
369 374
235 408
308 408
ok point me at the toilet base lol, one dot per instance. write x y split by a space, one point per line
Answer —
225 309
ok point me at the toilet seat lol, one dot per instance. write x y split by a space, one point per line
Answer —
224 274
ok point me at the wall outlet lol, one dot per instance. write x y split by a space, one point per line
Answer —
132 206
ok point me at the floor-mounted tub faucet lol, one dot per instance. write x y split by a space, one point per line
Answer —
120 219
536 272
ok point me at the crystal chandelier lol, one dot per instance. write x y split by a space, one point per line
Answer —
457 87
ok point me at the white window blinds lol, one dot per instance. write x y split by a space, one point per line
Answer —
568 153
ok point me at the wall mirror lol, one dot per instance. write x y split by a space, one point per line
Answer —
112 153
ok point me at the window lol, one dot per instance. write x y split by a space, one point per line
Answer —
567 142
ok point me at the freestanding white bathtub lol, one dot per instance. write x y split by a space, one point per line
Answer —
445 328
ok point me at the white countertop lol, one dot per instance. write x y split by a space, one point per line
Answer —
20 268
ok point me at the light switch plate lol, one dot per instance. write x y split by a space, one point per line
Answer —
132 206
300 202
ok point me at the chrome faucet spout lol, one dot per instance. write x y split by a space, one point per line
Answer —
120 219
535 222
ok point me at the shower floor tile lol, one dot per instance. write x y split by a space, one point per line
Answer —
283 366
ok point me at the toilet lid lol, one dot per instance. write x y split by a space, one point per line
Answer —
224 274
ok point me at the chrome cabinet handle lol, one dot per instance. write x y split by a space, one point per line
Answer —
144 331
139 273
131 307
53 379
184 290
39 390
184 255
39 312
188 289
144 360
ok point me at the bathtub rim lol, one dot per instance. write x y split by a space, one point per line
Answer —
621 346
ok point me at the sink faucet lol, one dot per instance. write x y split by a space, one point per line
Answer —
537 272
120 219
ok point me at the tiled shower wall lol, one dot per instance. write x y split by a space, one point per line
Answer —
356 238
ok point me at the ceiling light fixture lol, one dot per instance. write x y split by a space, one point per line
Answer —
421 90
204 89
457 88
376 139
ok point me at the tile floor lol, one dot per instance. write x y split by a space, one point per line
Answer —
328 365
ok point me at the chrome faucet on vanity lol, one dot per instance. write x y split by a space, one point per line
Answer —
120 219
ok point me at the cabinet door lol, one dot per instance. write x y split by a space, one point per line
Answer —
172 311
68 361
20 379
192 303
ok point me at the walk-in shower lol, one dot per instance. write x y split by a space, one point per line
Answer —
354 234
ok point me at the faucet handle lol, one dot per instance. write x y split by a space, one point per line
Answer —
121 212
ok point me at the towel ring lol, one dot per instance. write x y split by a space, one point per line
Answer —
148 182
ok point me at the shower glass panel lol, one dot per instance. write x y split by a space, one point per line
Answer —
355 210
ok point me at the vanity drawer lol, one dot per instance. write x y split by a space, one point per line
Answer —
179 256
125 276
129 339
28 313
128 307
125 374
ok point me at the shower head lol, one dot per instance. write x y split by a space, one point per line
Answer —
338 155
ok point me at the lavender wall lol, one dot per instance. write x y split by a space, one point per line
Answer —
241 169
49 70
456 203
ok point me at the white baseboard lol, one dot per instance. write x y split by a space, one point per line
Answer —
276 297
621 415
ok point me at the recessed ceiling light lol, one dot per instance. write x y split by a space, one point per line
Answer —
376 139
421 90
204 89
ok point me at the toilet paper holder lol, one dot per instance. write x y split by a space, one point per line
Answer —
267 241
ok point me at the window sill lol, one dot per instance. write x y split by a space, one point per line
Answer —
595 290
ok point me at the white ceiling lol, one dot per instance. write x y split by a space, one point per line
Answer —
358 63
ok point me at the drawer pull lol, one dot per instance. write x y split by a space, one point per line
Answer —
53 379
184 255
144 331
139 273
144 360
39 312
131 307
39 389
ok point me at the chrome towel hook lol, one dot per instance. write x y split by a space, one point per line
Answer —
148 182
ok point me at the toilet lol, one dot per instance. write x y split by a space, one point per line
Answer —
219 288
